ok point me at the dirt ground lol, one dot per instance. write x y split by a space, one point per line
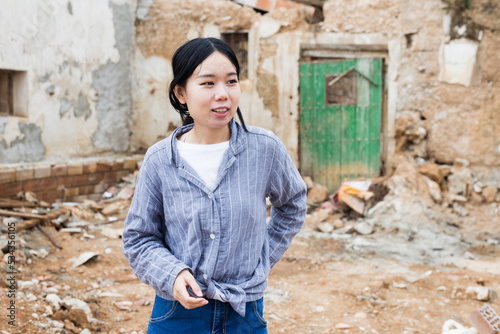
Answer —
384 282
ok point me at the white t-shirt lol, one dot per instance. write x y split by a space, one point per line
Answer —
205 159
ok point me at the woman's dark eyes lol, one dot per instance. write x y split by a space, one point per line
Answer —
210 83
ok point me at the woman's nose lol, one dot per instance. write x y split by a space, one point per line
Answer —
221 93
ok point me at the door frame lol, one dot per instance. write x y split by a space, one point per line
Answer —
310 52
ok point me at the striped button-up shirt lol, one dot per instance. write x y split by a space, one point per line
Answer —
176 222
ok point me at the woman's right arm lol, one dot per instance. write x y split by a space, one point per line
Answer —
143 236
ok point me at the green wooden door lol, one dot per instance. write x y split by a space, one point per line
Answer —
341 109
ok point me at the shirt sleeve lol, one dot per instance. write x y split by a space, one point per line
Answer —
143 241
287 195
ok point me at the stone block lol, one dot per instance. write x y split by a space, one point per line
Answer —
43 171
76 169
490 193
24 174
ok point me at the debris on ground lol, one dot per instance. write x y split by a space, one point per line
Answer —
403 257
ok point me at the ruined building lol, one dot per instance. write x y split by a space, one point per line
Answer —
345 85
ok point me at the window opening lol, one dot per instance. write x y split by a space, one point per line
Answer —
341 89
6 93
13 93
238 41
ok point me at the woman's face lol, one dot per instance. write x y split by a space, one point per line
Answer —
212 93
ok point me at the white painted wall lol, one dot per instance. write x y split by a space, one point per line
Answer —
60 43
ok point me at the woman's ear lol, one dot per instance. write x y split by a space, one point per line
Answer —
180 94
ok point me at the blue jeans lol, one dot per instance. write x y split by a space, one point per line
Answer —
214 318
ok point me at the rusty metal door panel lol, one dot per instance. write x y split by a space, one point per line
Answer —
341 108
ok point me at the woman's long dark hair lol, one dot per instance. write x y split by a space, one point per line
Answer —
186 60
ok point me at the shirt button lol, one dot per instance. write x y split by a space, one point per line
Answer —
205 276
209 197
212 236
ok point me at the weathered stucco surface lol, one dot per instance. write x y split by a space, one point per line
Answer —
64 45
112 83
24 143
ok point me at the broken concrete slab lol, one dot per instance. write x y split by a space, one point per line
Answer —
459 62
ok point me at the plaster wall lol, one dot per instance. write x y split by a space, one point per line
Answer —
77 59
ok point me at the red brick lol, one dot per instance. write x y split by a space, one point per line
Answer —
73 181
10 189
50 195
40 185
59 170
109 178
85 190
7 175
25 174
90 168
103 167
117 165
95 178
485 320
75 169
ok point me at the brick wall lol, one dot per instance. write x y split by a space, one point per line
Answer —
66 181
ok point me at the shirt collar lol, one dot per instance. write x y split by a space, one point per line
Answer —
237 142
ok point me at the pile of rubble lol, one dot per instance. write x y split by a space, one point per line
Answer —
424 212
62 310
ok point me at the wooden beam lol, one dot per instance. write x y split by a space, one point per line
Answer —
20 214
47 234
35 219
345 47
341 54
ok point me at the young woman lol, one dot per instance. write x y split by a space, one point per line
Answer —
196 230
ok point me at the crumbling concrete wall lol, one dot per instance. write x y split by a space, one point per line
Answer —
77 56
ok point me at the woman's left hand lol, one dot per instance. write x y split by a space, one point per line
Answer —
181 294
